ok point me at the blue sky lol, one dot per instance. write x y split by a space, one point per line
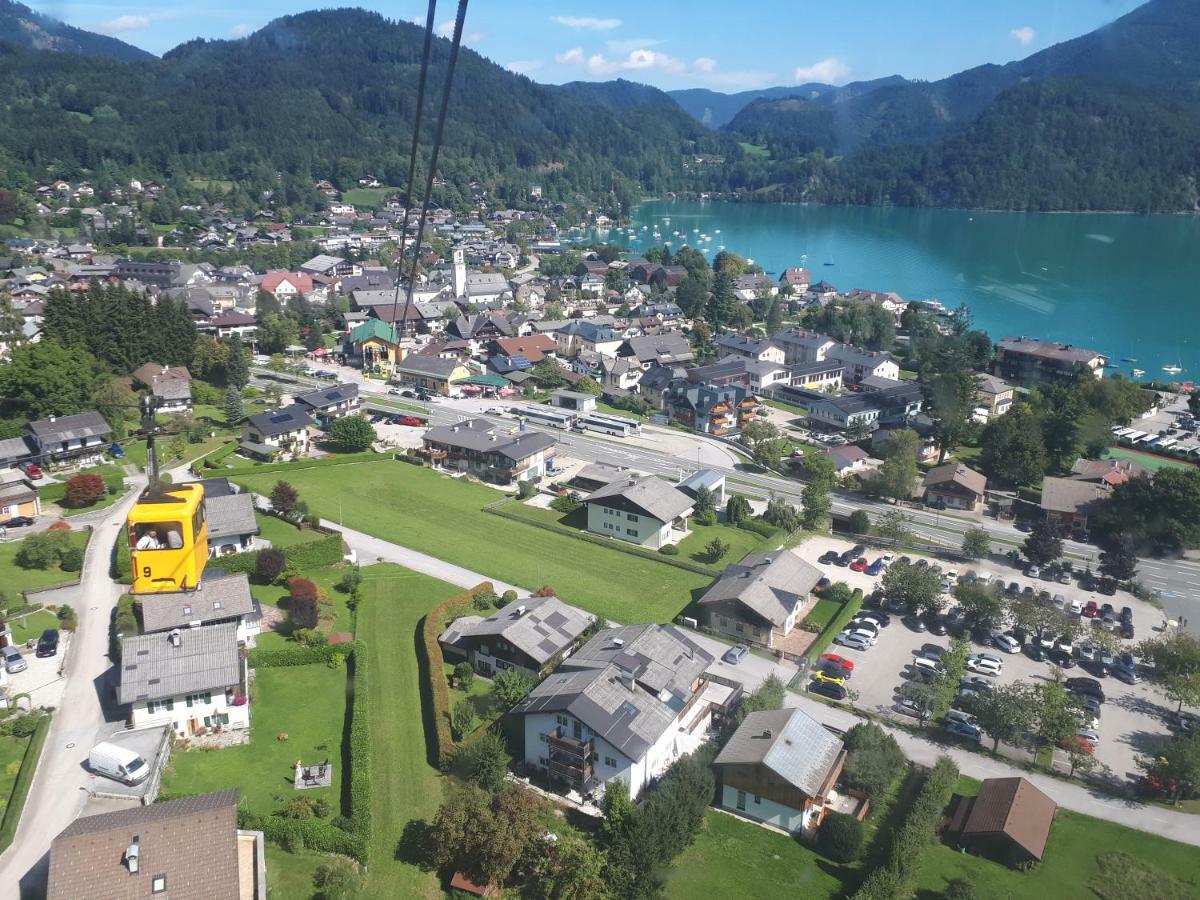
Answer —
726 46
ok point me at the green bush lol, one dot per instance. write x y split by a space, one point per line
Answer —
840 837
873 759
669 550
431 659
465 675
325 551
759 527
526 489
71 559
43 549
294 655
707 517
859 522
20 789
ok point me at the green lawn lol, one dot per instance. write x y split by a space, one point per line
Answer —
54 492
31 626
308 704
734 858
418 508
822 613
613 411
282 534
404 786
369 197
324 577
290 875
12 751
1071 862
480 695
17 580
784 406
740 543
135 452
1153 463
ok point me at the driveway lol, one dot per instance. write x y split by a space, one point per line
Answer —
752 671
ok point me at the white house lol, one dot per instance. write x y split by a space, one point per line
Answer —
191 679
278 431
645 511
760 599
626 705
219 599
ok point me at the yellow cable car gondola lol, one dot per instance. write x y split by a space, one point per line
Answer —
167 531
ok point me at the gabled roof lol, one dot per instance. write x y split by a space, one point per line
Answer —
793 745
539 627
324 398
958 474
69 428
1015 808
229 514
206 659
218 597
482 436
665 347
281 421
192 841
770 585
654 496
1067 495
373 328
436 366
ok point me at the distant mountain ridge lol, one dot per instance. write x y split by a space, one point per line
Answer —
22 27
715 109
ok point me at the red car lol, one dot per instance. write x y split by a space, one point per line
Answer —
410 420
1092 610
833 661
859 565
32 470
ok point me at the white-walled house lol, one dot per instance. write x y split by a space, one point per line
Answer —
276 432
219 599
760 599
193 680
626 705
645 511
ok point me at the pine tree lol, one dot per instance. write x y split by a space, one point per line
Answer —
237 371
234 411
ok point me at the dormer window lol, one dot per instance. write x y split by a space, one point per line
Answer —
158 884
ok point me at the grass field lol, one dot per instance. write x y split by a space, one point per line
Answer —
754 149
740 543
308 704
271 595
30 627
480 695
368 197
613 411
1148 460
404 786
55 491
172 454
418 508
17 579
282 534
12 751
786 407
823 612
290 875
734 858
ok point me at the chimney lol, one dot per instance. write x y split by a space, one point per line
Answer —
131 855
627 679
767 733
521 610
618 642
174 638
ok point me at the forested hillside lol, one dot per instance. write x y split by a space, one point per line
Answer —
20 26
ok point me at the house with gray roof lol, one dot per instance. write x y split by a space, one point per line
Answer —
489 452
625 705
78 438
277 432
760 599
327 404
531 634
780 767
219 598
232 526
193 680
666 348
646 511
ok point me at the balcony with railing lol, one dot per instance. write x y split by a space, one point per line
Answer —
569 757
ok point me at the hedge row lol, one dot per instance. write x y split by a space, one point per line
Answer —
360 747
122 562
340 459
611 544
298 655
218 456
435 678
914 837
849 609
296 834
325 551
20 790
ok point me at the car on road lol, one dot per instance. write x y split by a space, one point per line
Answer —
834 662
1033 571
18 522
1086 687
964 730
47 644
859 565
878 616
915 623
825 689
1062 659
1129 676
1007 643
13 660
734 655
1023 525
853 641
927 664
828 677
1013 588
876 568
868 633
985 665
1091 610
1075 607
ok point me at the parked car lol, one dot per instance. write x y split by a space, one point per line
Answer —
936 624
829 556
1091 610
411 421
1062 659
842 561
825 689
907 707
869 633
985 664
32 470
18 522
915 623
13 660
1086 687
853 641
828 677
1126 614
965 730
1033 571
835 662
878 616
975 683
859 565
1075 607
1081 743
1107 587
956 715
822 586
1007 643
1127 631
1065 644
116 451
1013 588
925 664
1060 601
862 623
1089 734
47 644
1129 676
1182 721
876 568
734 655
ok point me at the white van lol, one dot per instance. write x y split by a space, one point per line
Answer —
118 763
928 665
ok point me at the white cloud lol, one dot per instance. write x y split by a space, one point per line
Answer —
446 30
524 66
635 61
121 24
591 23
1023 36
827 71
646 61
572 57
704 64
240 31
632 44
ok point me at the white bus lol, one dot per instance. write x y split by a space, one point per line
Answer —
1134 436
553 416
607 424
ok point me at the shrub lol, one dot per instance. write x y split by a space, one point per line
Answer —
510 687
351 581
484 600
526 489
465 675
284 498
873 759
485 761
567 503
338 879
462 719
669 550
433 625
43 550
84 490
68 620
508 597
352 433
707 517
859 522
71 559
269 565
840 837
715 549
758 526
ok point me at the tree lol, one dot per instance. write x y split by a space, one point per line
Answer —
898 475
352 433
462 718
774 320
1013 450
1043 546
46 379
737 509
873 759
549 373
715 549
893 525
859 522
924 695
1059 713
486 760
721 305
587 385
982 607
116 401
704 502
303 606
916 587
12 324
269 565
1081 755
464 672
1118 560
821 479
510 687
284 498
952 396
691 295
237 366
977 544
1006 712
1176 662
338 879
781 514
84 489
485 835
572 869
234 410
1176 766
840 837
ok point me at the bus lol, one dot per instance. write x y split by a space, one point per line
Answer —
604 423
553 416
1134 436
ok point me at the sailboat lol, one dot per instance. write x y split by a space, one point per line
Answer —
1138 373
1172 369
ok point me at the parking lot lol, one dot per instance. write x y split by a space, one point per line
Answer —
1130 720
40 679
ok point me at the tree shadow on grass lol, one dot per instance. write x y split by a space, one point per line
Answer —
415 845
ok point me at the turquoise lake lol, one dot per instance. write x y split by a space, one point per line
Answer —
1124 285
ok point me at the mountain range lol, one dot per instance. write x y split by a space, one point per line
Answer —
1109 120
21 26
